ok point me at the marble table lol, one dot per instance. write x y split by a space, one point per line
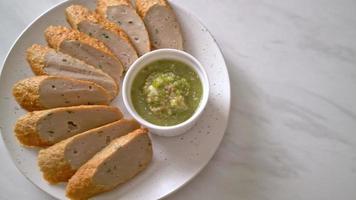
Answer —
292 130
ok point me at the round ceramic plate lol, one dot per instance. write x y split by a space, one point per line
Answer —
176 160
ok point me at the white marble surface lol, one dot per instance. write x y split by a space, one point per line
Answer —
292 130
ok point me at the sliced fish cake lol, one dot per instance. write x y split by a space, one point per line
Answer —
59 162
117 163
161 23
47 127
123 14
46 61
92 24
44 92
85 48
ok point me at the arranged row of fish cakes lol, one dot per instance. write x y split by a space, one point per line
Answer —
77 78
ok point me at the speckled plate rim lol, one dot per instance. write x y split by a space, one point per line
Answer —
227 89
1 77
228 114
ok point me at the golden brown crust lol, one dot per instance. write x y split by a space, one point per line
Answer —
52 161
53 165
55 35
35 56
81 185
102 5
26 130
77 13
26 93
143 6
26 127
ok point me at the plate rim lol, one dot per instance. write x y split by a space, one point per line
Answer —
1 77
229 106
228 90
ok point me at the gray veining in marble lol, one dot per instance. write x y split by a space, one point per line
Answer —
292 130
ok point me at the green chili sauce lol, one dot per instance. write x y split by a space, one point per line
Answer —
166 92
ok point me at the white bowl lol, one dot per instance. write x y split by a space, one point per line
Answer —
171 54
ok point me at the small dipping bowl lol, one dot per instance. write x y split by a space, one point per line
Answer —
166 54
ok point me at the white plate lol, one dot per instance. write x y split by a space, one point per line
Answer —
176 160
